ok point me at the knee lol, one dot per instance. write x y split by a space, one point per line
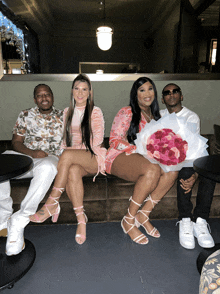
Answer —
64 160
170 175
74 173
65 156
48 166
5 190
185 173
152 173
173 175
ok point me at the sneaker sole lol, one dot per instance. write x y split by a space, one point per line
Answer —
187 247
211 246
4 233
205 246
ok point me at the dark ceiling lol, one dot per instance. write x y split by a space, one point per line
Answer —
140 16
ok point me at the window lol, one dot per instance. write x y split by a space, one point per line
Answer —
213 52
108 67
13 47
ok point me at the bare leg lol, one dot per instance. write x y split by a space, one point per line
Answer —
68 158
146 175
75 192
166 181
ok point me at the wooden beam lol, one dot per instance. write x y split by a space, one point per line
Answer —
38 17
41 16
203 5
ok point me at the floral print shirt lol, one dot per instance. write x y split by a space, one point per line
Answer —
118 136
210 276
41 131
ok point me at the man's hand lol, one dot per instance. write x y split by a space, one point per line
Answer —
188 184
38 154
18 145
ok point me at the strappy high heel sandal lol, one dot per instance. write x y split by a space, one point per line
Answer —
139 238
83 237
36 219
154 232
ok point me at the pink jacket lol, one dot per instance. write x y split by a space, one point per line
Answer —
118 136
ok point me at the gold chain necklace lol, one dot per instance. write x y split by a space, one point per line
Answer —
149 117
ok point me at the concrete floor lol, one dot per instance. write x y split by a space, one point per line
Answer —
109 262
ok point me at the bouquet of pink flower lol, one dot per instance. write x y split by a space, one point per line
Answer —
167 147
170 143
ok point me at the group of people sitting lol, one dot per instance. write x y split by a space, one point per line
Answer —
67 146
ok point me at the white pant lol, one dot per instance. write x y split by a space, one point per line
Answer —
43 172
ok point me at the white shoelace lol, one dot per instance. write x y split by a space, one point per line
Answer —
186 227
203 228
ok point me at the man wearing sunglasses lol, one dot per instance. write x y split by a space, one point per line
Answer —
190 224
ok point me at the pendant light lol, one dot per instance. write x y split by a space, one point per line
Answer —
104 35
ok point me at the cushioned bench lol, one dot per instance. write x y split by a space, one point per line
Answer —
106 199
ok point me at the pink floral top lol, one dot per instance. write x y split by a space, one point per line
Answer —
118 136
97 125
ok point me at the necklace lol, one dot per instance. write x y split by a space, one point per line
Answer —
149 117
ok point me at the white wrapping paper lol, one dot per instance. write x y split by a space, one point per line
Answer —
196 144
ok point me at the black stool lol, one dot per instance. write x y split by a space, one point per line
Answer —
13 268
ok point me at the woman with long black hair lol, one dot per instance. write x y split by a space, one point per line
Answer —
82 156
151 182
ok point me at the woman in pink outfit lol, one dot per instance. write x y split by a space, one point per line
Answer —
151 183
82 156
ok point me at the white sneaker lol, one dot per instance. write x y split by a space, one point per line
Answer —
15 241
3 229
201 232
186 237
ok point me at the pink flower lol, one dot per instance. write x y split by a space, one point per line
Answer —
156 154
166 147
169 137
185 146
158 134
149 154
171 154
176 151
150 148
150 141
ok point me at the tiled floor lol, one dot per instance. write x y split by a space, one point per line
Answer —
109 262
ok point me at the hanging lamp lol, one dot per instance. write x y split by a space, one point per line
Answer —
104 35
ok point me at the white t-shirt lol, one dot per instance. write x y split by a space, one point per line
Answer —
189 116
192 120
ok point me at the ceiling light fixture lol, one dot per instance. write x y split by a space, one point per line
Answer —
104 34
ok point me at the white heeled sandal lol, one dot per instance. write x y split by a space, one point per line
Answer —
139 238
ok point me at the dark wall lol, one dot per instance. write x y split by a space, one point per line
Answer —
190 34
162 53
62 54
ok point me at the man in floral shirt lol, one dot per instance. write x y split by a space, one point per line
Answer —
37 133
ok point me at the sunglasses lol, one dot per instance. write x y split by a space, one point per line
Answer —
168 92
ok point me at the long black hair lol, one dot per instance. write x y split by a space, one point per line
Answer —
86 129
136 111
